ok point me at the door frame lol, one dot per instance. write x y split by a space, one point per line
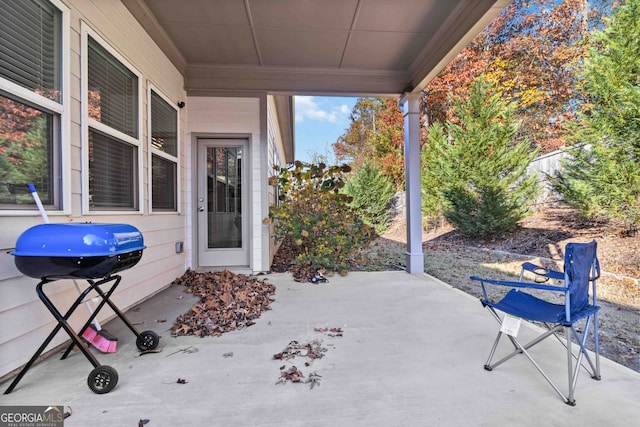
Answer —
196 262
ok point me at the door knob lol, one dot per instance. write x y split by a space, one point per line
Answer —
201 209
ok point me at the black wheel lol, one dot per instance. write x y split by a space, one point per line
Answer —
102 379
149 341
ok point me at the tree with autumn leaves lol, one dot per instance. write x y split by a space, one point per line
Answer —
532 51
375 136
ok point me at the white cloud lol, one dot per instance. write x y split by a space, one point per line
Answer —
307 107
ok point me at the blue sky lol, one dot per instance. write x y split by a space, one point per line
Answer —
319 123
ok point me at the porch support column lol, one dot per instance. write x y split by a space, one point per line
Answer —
409 104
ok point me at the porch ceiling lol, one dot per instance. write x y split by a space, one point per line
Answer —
331 47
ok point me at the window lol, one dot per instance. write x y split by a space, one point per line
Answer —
31 102
113 130
164 155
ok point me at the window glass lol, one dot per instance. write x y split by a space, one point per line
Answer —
164 140
26 154
163 181
113 91
30 46
112 173
164 126
30 125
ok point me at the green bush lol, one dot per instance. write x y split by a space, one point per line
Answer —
484 177
371 192
432 174
315 215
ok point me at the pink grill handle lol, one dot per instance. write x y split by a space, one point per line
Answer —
34 193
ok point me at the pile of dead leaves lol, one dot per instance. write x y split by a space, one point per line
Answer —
227 302
284 261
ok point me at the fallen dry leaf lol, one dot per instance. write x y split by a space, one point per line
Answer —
333 332
292 374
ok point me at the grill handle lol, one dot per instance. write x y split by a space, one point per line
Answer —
34 193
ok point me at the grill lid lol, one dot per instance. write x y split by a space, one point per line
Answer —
78 240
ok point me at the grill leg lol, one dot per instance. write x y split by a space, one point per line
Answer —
116 310
106 299
62 323
95 286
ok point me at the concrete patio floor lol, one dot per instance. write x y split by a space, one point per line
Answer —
411 354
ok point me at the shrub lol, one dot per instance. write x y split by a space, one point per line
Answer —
315 215
432 174
371 192
485 183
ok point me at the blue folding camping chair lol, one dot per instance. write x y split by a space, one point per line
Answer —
581 269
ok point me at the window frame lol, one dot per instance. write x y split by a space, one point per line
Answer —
62 133
88 124
164 155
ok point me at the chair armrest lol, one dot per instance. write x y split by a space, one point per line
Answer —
525 285
542 271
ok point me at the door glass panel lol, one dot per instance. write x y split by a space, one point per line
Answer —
224 196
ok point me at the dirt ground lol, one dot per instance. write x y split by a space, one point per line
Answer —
541 239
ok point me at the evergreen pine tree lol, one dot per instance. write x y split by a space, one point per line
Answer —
432 173
485 183
371 192
601 177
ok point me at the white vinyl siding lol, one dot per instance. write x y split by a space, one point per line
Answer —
275 158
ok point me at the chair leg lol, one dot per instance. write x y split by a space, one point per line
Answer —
581 339
487 365
593 369
573 375
522 349
596 346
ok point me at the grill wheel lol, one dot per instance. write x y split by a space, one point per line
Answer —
149 341
102 379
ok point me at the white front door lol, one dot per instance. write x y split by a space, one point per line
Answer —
222 203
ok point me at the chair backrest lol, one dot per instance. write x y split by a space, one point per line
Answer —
579 258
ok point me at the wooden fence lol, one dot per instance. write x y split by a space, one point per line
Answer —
547 165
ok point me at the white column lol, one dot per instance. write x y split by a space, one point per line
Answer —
409 104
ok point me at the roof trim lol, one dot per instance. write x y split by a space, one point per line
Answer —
200 78
151 25
441 45
286 122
